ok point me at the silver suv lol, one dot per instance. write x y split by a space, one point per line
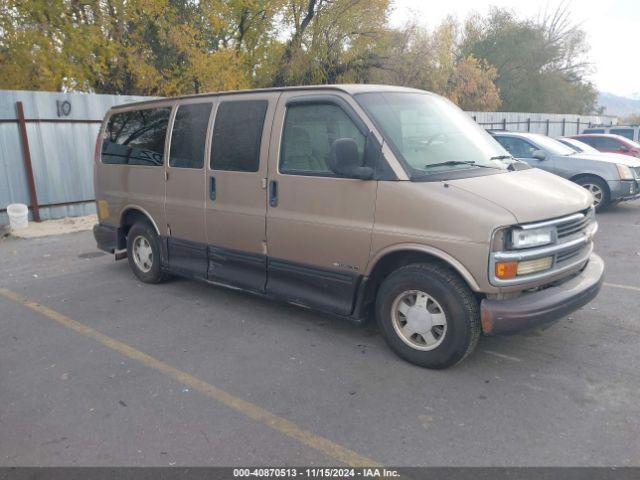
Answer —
609 179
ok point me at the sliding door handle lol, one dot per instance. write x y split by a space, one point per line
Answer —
212 188
273 193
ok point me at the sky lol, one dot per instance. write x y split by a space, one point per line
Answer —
612 26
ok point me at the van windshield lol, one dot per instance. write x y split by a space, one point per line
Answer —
430 134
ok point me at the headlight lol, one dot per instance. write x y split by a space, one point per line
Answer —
624 172
532 238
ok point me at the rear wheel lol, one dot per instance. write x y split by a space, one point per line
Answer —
143 252
428 315
598 189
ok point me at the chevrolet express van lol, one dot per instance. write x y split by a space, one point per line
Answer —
355 200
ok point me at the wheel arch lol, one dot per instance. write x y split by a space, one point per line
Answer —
396 256
588 175
128 217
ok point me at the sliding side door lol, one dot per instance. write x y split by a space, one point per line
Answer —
236 185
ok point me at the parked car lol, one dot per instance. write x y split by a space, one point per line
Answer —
582 147
611 144
610 180
355 200
632 132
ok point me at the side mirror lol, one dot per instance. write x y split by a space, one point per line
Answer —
624 148
539 155
346 162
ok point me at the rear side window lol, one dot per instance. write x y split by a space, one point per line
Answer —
136 137
309 132
189 135
604 143
517 147
625 132
593 130
237 134
589 141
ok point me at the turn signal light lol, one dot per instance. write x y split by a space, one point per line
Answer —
506 270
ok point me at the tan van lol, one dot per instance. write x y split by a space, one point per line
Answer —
356 200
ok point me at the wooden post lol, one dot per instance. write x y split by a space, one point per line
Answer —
578 127
504 123
564 124
529 124
22 125
547 127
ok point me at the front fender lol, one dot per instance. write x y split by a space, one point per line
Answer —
429 250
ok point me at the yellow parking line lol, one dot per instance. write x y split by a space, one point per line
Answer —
624 287
331 449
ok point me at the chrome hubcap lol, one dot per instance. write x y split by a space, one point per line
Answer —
596 191
142 254
419 320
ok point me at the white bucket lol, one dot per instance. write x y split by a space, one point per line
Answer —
18 216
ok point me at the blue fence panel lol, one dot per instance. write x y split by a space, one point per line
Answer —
61 153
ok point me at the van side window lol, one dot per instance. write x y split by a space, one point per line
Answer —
136 137
189 135
237 134
309 131
625 132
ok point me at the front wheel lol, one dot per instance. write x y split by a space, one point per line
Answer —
428 315
599 190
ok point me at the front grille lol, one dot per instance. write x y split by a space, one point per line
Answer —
568 254
573 226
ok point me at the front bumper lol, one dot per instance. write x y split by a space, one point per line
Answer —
531 310
622 190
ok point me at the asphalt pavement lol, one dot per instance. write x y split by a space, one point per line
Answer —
97 368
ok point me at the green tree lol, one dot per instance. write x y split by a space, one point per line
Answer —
415 57
540 64
331 40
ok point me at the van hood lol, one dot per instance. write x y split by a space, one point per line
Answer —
627 160
530 195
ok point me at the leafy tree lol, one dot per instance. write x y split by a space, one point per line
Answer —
633 119
540 64
471 86
417 58
331 40
172 47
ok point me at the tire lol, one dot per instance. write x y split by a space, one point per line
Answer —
145 267
594 185
446 294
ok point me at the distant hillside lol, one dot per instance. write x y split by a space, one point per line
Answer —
615 105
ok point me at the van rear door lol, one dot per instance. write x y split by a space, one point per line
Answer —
236 190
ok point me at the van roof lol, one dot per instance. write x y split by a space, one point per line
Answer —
350 88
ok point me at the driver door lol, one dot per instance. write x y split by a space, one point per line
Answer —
523 150
319 225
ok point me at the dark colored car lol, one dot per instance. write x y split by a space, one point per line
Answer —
610 143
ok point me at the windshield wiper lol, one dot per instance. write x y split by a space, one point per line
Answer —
501 157
457 162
